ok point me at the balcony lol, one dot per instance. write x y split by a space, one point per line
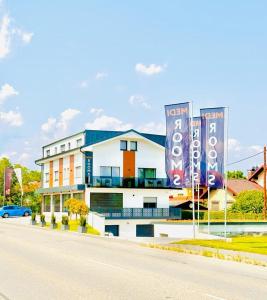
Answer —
141 213
122 182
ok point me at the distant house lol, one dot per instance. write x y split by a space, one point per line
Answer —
257 176
235 187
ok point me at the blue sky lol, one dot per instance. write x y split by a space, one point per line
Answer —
67 65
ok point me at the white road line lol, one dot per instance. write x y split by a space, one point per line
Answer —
214 297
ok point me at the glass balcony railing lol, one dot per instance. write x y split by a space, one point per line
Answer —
141 213
122 182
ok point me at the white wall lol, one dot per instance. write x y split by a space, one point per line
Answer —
173 230
66 164
134 198
55 168
72 140
46 170
97 221
78 162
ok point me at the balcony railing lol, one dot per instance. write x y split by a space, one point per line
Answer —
141 213
123 182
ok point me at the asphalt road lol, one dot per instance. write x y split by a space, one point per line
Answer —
42 264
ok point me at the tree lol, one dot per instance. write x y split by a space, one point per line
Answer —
248 202
235 175
31 182
76 207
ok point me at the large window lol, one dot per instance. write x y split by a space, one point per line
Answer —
66 172
62 148
79 142
109 171
47 203
133 146
146 173
56 201
123 145
48 152
65 197
46 177
78 196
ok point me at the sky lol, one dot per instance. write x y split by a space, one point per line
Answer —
70 65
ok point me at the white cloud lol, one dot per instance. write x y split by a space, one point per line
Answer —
234 145
5 37
108 123
26 37
139 100
151 69
8 33
101 75
60 125
96 111
7 91
11 118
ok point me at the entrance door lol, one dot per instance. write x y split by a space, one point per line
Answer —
145 230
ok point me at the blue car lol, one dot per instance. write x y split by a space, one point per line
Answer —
14 211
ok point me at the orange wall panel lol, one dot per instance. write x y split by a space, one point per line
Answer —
71 169
60 171
51 174
128 163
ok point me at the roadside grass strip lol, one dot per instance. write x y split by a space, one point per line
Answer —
74 227
208 253
252 244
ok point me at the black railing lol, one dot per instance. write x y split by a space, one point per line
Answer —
123 182
141 213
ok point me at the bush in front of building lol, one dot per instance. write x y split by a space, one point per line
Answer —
188 215
234 216
248 202
76 207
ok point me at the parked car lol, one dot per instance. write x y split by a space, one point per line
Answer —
14 211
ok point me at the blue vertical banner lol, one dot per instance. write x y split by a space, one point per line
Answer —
196 147
213 130
177 150
89 168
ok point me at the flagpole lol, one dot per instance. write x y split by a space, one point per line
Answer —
4 187
198 196
208 209
192 172
225 169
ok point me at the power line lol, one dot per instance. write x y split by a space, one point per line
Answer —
246 158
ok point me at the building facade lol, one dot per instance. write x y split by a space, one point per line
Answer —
109 170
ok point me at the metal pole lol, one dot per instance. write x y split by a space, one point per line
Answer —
198 196
225 169
192 171
264 183
208 210
4 188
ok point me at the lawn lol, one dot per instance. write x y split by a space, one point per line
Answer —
246 244
74 227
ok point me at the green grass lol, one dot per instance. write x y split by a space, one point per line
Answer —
246 244
74 227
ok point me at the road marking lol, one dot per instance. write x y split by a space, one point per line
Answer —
214 297
3 297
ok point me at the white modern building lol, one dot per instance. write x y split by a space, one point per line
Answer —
120 175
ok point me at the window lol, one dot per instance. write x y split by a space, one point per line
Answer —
109 171
69 145
78 196
46 177
78 172
62 148
124 145
150 202
56 175
146 173
56 202
55 150
66 172
48 152
65 197
133 146
79 142
46 203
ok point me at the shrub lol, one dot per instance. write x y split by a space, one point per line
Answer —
65 220
83 221
53 219
42 218
248 202
33 216
188 215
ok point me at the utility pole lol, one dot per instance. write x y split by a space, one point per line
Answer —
264 183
